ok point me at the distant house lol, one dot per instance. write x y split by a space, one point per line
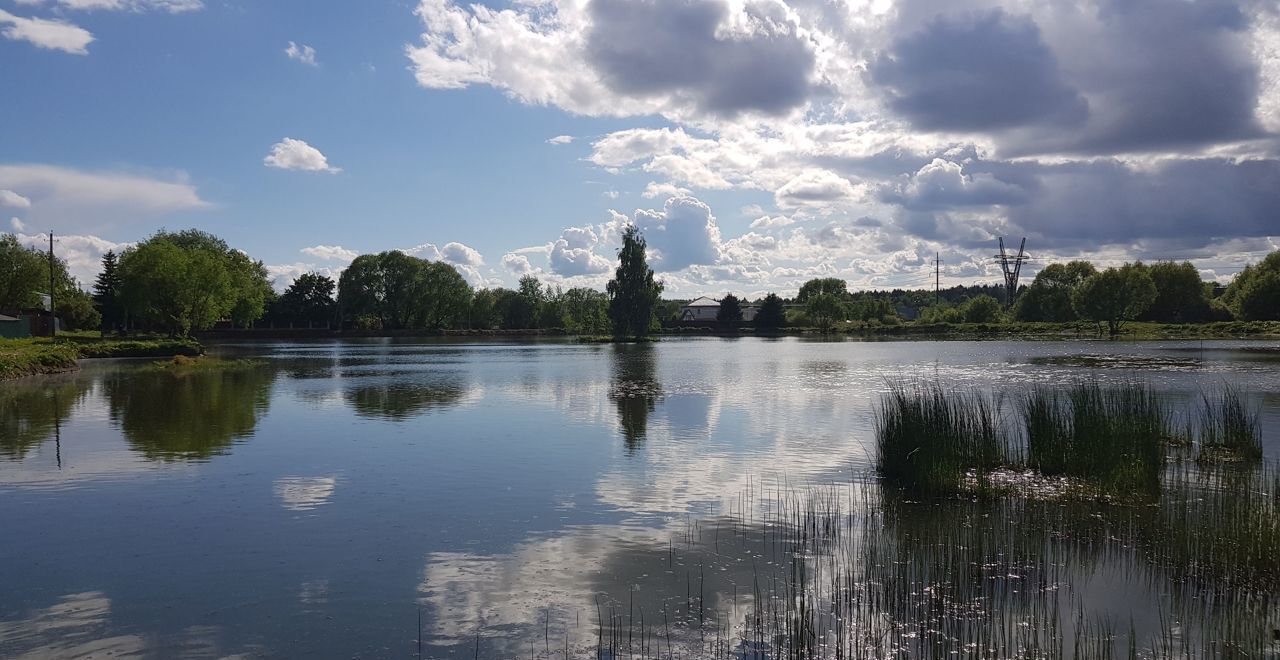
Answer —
12 327
34 322
705 309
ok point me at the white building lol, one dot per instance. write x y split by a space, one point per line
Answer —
705 309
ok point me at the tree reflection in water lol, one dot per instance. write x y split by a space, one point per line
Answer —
188 416
400 398
635 390
31 415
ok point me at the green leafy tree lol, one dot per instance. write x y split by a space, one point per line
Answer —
730 311
772 315
586 311
394 291
76 311
361 290
829 285
1254 294
441 296
1115 296
481 313
824 310
309 299
24 274
1180 293
106 293
1049 296
633 293
185 281
982 309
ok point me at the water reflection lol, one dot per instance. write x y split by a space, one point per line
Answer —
400 398
188 416
30 416
73 627
304 493
635 390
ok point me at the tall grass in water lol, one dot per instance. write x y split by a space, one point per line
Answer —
928 438
1110 436
1229 427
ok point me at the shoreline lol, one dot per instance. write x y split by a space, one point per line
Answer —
24 358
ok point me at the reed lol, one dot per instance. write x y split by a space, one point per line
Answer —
928 438
1229 427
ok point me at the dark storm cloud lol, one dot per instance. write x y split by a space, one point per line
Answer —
1168 74
656 47
976 71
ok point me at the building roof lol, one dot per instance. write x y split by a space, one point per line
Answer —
703 302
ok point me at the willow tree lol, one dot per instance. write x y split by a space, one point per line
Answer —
633 293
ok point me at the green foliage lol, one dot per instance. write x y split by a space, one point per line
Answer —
106 293
730 311
26 357
1180 293
586 311
633 293
186 281
75 308
772 315
1049 296
1114 296
24 273
1254 294
309 299
833 286
983 309
1229 428
824 310
394 291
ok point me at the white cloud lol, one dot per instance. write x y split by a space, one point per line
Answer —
46 33
14 200
461 255
331 253
814 187
17 224
302 53
560 139
683 233
83 253
80 201
517 264
655 189
170 6
282 275
772 222
291 154
572 261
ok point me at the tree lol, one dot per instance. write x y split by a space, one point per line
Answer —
730 311
75 308
185 281
982 309
1254 294
1180 294
1115 296
440 296
586 311
481 313
106 293
1049 296
309 299
829 285
393 291
771 315
361 292
24 274
824 309
633 293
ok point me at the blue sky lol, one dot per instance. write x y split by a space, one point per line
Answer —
757 143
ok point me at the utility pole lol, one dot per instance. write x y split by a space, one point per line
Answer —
53 316
937 278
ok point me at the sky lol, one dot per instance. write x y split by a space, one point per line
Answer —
757 144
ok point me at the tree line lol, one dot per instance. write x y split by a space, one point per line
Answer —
182 282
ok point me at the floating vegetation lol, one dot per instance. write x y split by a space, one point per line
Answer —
181 364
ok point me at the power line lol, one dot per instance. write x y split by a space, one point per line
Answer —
1011 264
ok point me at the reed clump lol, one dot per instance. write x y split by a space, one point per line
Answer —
1229 428
1111 436
928 438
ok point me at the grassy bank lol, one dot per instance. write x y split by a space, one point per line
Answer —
43 355
1010 330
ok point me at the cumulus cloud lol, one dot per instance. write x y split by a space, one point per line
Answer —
461 255
654 189
560 139
517 264
82 252
301 53
814 186
17 224
51 34
291 154
683 233
331 253
772 222
943 184
14 200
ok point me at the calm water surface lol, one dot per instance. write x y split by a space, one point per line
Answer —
314 506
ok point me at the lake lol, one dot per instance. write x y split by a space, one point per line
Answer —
548 498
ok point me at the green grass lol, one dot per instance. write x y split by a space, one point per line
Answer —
181 364
44 355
